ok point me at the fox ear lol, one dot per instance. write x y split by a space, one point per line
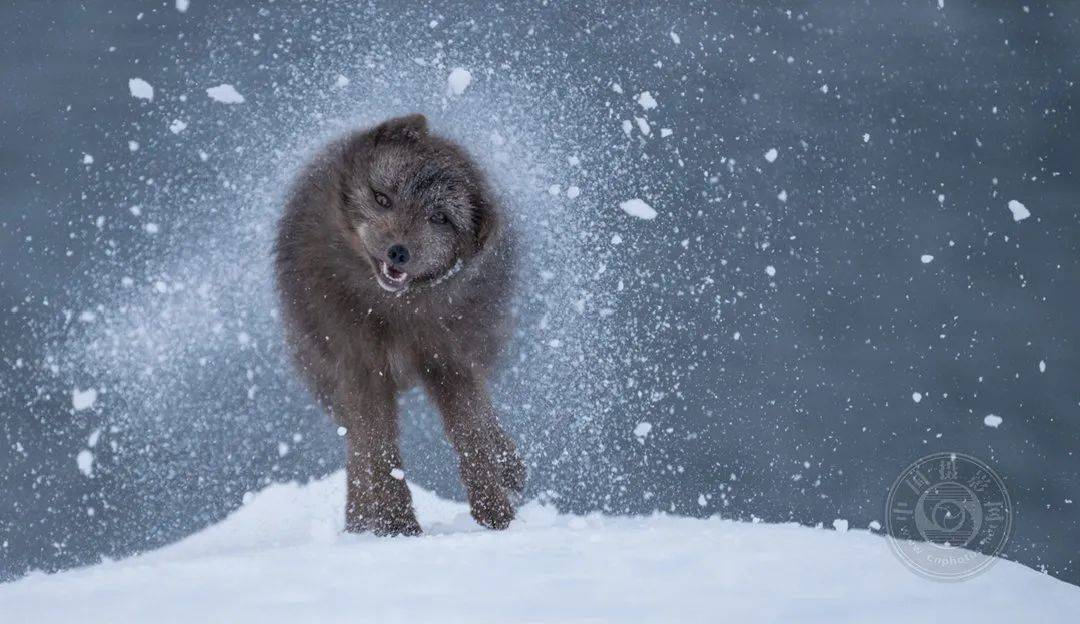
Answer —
409 127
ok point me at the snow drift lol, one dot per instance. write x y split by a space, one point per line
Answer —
283 558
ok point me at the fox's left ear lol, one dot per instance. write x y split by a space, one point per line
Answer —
409 127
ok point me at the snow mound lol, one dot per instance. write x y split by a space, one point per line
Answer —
283 558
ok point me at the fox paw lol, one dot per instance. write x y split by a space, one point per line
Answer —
384 524
491 507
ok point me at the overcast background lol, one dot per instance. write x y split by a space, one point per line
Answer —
796 327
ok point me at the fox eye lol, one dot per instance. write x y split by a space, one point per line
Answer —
438 217
381 199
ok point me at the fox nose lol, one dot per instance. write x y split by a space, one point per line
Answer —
398 255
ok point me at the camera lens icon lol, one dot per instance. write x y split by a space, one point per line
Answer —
948 514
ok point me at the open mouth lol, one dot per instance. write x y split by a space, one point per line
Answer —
390 278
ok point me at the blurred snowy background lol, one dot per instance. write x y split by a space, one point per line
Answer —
864 247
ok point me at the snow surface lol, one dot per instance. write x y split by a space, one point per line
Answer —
283 558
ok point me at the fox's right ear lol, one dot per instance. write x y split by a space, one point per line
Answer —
409 128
